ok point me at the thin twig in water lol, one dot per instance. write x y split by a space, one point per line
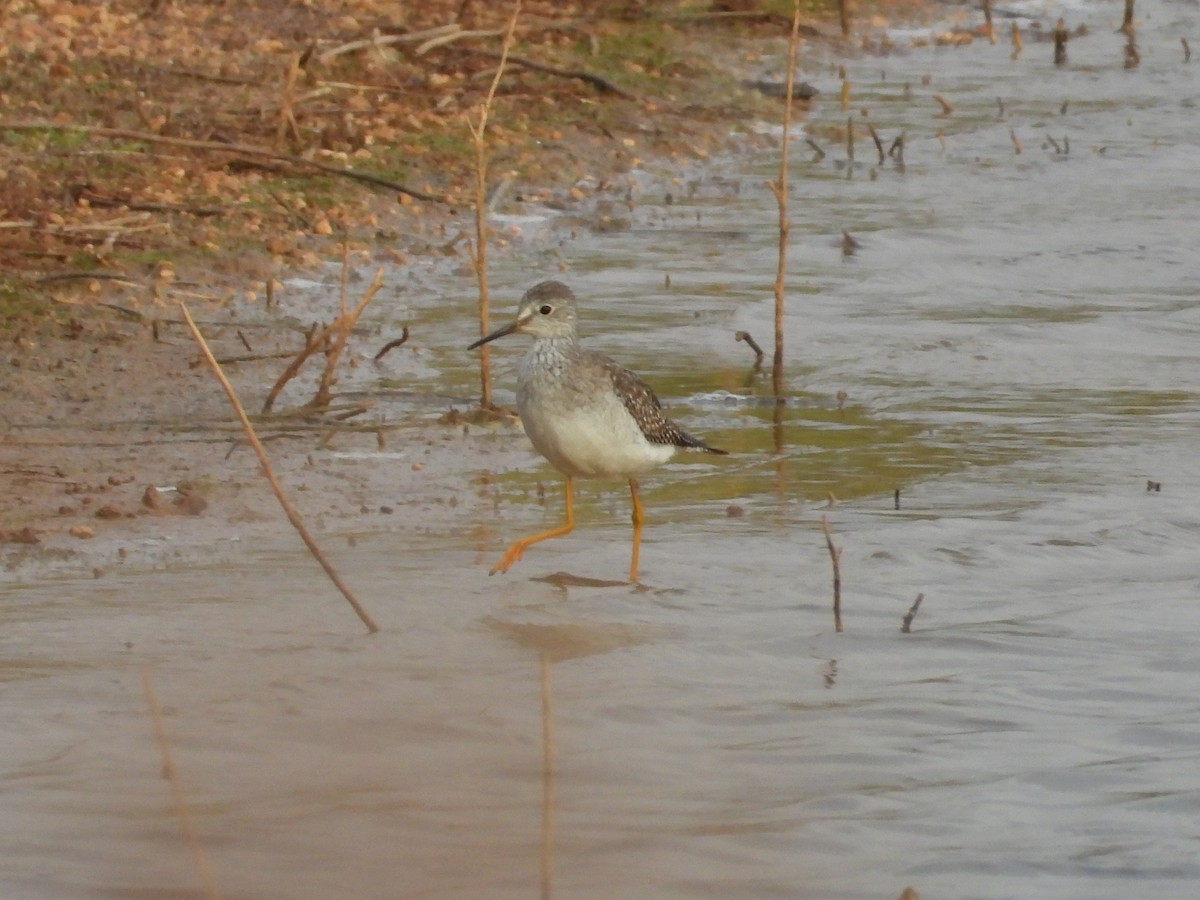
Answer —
878 143
313 341
392 345
276 487
203 869
835 557
779 189
330 340
341 329
753 344
906 625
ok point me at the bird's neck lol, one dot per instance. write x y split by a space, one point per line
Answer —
550 354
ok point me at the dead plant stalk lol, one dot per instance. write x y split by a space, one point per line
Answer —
264 461
835 558
779 189
479 251
331 340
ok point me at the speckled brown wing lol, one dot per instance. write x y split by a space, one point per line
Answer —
639 399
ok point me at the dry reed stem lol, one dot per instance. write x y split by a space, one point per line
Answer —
312 342
287 117
779 189
331 340
290 511
203 869
340 332
906 625
835 557
479 251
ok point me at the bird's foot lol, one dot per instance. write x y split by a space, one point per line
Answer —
509 559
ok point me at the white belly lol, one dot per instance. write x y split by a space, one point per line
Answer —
601 440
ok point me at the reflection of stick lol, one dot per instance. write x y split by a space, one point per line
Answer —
835 556
265 462
1187 51
816 148
548 801
906 625
181 808
947 107
753 344
1016 141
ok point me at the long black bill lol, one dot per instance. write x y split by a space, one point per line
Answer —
498 333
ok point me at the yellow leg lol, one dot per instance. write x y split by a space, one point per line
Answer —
638 518
517 548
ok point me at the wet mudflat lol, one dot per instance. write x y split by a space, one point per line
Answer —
1012 347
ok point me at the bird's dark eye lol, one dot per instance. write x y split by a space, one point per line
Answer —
545 309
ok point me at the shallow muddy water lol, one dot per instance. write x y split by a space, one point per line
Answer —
1017 343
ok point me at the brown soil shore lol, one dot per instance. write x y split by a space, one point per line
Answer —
114 442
